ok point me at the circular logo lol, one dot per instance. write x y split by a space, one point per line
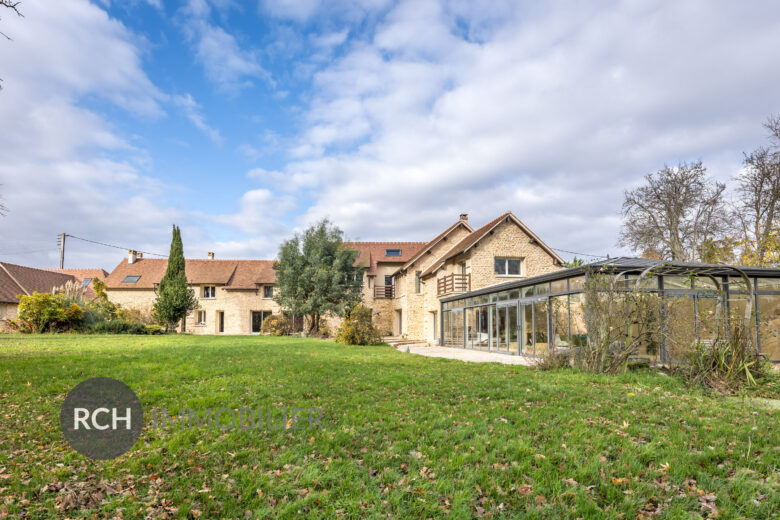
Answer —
101 418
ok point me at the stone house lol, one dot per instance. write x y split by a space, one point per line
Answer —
235 296
462 259
403 282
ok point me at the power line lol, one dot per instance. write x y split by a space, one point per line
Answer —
112 245
575 253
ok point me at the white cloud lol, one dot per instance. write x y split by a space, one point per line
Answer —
260 212
191 109
549 111
224 61
64 167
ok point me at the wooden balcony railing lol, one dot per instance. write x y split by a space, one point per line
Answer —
453 283
384 291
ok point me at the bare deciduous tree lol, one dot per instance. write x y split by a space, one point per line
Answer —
756 211
676 211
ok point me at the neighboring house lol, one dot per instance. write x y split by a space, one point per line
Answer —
16 280
85 277
235 296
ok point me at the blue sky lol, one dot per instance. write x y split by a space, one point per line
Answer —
245 121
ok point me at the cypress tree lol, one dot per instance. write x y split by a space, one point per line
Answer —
174 297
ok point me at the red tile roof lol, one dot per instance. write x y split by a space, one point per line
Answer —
372 253
433 242
83 274
18 279
471 239
232 274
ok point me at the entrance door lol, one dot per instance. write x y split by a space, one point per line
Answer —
506 333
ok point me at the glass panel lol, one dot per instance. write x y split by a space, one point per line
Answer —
513 295
527 322
558 286
483 298
677 282
648 281
769 314
769 284
512 323
705 282
528 291
491 317
470 328
682 330
482 334
708 321
457 328
492 297
540 328
501 328
649 345
447 332
560 321
542 288
503 296
579 330
499 265
737 284
577 284
513 266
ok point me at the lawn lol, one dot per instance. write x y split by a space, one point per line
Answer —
404 436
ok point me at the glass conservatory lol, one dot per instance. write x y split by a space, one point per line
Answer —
533 315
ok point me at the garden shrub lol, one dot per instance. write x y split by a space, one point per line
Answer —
277 325
357 328
118 326
44 312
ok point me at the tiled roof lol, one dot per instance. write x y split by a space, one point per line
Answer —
232 274
83 274
19 279
474 237
372 253
435 241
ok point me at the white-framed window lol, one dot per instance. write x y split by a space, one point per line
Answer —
504 266
200 317
268 291
209 291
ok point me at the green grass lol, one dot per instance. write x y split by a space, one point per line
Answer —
404 436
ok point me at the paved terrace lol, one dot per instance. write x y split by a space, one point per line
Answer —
473 356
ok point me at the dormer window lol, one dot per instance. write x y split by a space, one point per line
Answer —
392 252
131 279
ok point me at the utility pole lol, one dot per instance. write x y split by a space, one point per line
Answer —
62 250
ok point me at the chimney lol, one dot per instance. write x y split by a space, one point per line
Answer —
138 255
464 217
210 254
131 257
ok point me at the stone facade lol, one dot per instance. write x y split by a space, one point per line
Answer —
236 304
420 312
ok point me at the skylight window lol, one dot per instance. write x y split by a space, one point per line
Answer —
131 279
85 282
392 252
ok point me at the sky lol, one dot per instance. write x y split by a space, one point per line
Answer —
244 122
